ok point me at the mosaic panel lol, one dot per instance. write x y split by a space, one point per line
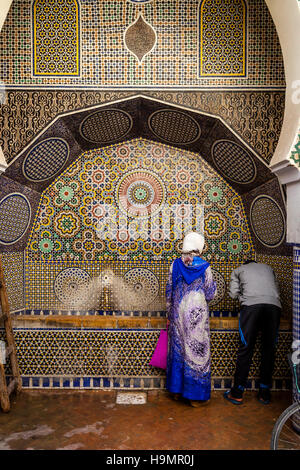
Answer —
174 126
106 126
15 213
139 194
13 272
45 159
114 289
221 288
123 288
56 37
144 282
295 155
106 62
80 228
69 354
283 269
68 284
233 161
267 221
256 116
222 38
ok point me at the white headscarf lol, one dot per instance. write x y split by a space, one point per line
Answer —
193 241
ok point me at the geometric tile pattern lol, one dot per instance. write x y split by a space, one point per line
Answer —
56 37
223 38
68 282
13 272
265 108
72 225
106 62
55 286
106 126
174 126
15 215
233 161
267 221
122 354
41 278
221 288
45 159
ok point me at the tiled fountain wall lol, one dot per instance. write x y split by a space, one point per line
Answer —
239 79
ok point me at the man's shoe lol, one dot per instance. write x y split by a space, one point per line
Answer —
264 395
236 401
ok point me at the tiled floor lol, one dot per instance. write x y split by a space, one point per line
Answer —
92 420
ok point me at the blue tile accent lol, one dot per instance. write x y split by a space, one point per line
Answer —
147 383
126 383
56 382
227 383
106 382
116 382
46 382
25 381
76 382
35 382
96 382
217 383
86 381
156 383
136 383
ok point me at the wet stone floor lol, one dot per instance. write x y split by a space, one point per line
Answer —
92 420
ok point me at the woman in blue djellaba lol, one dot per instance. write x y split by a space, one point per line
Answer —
190 287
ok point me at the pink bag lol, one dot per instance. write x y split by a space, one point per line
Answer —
159 358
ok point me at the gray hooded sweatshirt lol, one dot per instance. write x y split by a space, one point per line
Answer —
254 283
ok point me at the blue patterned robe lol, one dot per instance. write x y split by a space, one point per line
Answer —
188 364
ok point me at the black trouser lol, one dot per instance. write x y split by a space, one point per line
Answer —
266 318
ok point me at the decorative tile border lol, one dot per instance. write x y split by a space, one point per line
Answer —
116 313
13 266
136 383
93 358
